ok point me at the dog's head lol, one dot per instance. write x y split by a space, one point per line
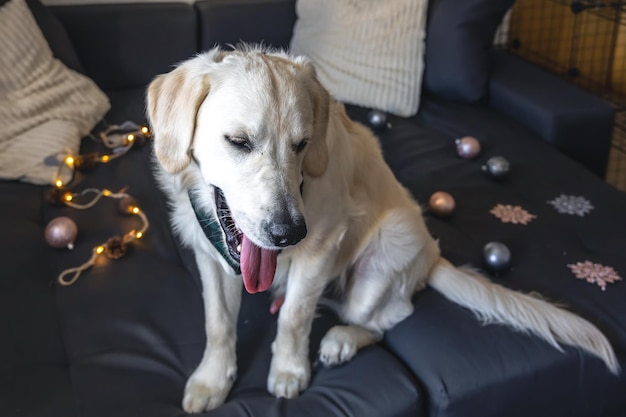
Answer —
255 123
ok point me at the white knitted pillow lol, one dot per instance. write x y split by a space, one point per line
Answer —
366 52
45 108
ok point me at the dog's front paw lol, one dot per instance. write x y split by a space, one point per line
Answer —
337 347
287 379
207 389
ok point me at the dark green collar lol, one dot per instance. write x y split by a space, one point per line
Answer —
212 230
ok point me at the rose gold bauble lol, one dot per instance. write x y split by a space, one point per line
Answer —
467 147
61 232
441 204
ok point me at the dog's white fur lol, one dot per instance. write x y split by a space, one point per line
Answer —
365 232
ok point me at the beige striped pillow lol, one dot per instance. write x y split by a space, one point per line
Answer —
366 52
45 108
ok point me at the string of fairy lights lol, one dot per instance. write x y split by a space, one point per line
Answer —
61 232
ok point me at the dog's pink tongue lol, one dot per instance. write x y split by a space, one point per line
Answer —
258 266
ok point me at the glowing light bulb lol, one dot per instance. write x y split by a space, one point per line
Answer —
58 183
68 197
138 235
99 249
145 130
105 158
106 192
135 210
130 137
69 160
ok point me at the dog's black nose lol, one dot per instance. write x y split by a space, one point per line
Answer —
288 231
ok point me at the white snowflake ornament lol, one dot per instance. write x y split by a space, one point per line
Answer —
572 204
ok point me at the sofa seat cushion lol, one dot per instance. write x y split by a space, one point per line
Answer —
136 333
470 369
35 376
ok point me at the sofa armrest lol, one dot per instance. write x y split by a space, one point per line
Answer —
573 120
224 22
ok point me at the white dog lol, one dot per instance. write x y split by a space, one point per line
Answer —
270 181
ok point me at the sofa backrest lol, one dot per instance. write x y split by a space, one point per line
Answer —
226 22
124 46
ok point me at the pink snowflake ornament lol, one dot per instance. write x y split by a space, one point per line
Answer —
595 273
512 214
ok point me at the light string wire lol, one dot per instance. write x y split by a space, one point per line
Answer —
120 143
106 247
120 139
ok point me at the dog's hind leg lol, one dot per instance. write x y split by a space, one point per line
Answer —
395 263
341 343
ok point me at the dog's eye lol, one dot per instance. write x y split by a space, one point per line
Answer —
239 142
299 147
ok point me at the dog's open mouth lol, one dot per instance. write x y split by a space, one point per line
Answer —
258 265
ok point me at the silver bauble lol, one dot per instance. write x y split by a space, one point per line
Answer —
497 167
377 119
61 232
497 256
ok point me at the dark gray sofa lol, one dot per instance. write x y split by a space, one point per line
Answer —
123 339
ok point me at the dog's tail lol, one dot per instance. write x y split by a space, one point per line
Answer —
493 303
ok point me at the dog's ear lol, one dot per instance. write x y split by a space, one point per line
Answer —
173 100
316 158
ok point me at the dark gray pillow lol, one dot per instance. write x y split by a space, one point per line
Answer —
458 38
55 34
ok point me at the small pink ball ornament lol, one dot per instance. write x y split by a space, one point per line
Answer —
61 232
441 204
467 147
